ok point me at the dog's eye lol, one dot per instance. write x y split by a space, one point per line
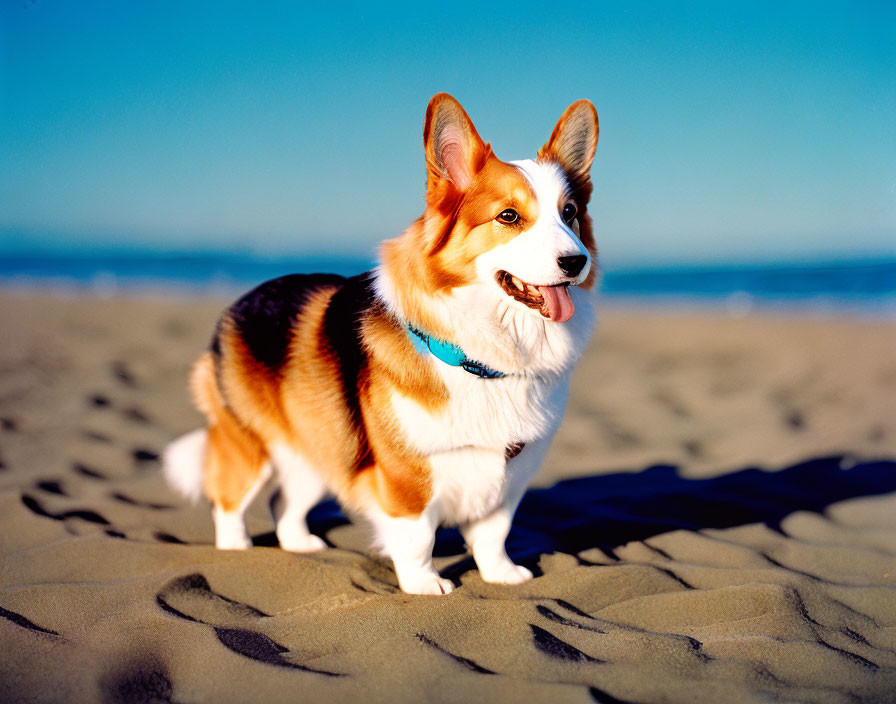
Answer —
569 212
508 217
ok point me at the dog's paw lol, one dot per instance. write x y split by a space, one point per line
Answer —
230 531
427 584
233 542
302 543
511 574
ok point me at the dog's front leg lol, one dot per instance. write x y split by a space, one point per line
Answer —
486 537
409 541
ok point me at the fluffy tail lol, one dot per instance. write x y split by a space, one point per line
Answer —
183 464
183 461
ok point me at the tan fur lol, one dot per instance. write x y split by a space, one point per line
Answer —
315 408
426 259
235 456
303 404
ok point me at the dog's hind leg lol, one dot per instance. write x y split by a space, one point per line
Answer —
301 488
237 467
235 463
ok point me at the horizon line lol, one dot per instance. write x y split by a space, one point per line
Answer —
628 265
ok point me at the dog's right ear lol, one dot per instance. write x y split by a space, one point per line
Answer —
454 150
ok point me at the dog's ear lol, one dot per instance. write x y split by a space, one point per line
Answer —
454 150
573 141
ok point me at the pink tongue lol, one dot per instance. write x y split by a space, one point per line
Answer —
558 306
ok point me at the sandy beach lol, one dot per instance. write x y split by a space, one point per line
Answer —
716 522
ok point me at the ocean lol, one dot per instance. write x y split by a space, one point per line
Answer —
866 286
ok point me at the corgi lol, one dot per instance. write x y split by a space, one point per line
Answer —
425 391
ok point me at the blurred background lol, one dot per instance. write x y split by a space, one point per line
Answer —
747 152
723 486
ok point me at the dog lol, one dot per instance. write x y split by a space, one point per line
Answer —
425 391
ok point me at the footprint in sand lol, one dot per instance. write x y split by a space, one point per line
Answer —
23 622
795 420
96 437
191 598
86 471
142 681
51 486
10 426
466 662
125 499
121 372
142 455
168 538
135 415
98 401
36 507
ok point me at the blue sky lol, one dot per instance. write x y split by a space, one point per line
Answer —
730 132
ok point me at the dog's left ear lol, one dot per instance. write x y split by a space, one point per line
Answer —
454 150
573 141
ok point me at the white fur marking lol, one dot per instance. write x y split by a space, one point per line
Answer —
301 488
183 464
467 483
409 541
532 255
486 538
486 535
230 526
230 530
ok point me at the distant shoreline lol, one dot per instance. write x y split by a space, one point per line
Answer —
862 287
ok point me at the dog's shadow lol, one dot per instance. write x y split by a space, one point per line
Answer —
609 510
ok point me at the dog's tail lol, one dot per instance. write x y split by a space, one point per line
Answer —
183 461
183 464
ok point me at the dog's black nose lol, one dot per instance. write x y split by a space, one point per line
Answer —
571 266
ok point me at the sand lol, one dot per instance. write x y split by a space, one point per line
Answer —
716 522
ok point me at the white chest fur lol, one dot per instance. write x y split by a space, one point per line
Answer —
494 413
489 414
465 440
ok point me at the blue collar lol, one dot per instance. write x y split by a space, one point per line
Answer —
449 354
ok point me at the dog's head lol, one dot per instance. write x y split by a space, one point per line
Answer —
520 228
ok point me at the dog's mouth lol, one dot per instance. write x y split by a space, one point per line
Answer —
553 302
